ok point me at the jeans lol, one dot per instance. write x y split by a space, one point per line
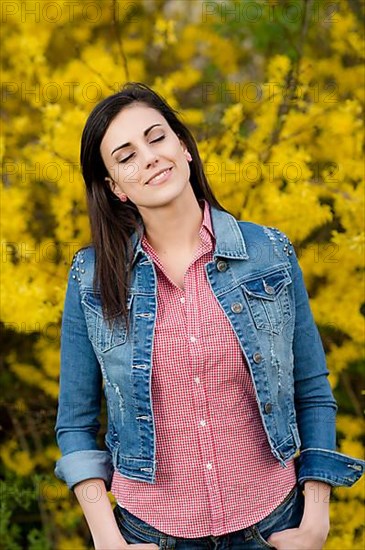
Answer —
286 516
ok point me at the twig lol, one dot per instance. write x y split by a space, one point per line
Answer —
20 434
351 393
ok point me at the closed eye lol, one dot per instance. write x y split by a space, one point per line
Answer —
125 160
158 139
153 141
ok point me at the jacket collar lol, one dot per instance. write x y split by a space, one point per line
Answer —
229 243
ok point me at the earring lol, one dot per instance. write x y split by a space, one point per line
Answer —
123 198
188 156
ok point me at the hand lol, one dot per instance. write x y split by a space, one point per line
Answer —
300 538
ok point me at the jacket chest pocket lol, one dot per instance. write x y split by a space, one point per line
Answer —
269 301
103 336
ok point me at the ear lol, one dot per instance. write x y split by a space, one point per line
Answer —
185 151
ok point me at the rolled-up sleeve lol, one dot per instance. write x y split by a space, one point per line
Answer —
332 467
80 392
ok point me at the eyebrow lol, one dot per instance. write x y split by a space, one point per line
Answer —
128 143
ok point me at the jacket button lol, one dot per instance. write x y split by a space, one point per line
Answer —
268 408
222 265
257 357
237 307
269 289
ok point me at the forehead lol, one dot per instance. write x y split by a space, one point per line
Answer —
131 122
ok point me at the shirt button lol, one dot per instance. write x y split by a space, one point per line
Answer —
268 407
192 339
209 466
203 423
221 265
257 357
237 307
182 300
197 380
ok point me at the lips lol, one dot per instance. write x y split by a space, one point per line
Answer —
158 176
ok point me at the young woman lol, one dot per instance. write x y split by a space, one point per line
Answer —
197 327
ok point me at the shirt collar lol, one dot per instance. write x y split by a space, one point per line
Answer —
207 219
229 241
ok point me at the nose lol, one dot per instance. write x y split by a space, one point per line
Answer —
148 156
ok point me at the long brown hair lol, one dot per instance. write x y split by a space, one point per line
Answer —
113 221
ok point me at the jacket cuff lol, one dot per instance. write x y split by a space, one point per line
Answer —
81 465
331 467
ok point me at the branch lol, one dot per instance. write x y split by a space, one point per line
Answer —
118 40
291 83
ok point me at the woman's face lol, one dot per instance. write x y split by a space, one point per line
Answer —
137 146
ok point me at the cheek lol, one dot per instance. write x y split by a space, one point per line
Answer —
126 175
112 168
129 173
184 168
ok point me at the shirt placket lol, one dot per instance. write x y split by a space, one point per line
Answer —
199 391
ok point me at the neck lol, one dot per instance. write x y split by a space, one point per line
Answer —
174 227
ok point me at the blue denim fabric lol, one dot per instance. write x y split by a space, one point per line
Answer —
286 516
256 279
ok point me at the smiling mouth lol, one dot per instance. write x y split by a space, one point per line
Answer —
159 178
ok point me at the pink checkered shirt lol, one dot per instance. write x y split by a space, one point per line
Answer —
215 471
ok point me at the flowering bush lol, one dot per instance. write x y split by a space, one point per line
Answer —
273 91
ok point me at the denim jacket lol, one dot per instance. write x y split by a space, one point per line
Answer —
256 278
